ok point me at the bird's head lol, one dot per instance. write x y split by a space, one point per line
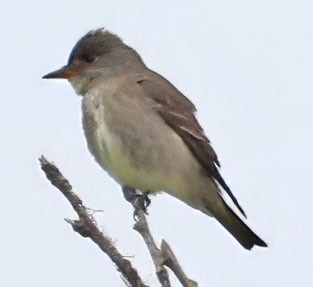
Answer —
97 54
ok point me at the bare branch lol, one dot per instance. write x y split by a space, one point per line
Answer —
87 227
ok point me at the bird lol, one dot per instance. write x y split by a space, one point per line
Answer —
144 132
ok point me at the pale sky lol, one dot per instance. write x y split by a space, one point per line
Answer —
248 67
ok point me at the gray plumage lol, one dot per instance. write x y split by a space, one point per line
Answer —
143 131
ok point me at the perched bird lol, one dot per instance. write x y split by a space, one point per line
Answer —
143 131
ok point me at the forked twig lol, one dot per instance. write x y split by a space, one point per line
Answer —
161 257
86 226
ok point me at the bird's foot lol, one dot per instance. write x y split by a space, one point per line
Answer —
140 201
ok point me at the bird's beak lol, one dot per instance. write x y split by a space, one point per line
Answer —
65 72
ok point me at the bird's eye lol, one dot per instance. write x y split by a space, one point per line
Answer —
88 58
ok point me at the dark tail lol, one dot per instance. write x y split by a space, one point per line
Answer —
231 221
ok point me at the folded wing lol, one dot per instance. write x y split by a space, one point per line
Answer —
179 113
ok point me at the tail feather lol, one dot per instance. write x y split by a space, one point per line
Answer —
231 221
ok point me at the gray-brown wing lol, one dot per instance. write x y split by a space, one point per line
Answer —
179 113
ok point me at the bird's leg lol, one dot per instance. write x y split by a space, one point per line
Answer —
140 201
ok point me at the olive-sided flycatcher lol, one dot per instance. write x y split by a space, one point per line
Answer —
143 131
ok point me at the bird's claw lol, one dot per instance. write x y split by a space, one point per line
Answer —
138 201
141 202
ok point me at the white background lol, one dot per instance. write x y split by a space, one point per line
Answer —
247 65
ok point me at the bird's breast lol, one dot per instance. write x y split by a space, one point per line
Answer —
116 138
135 146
